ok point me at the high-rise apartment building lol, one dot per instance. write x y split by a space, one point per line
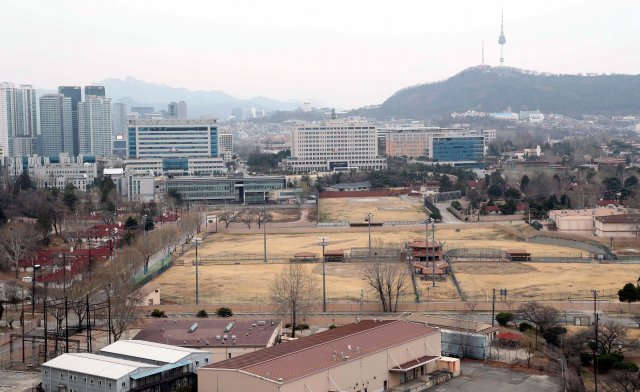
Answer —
182 110
172 138
75 94
18 119
118 118
94 126
96 91
56 125
334 145
172 110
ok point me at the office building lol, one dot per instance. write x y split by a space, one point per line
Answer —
56 124
176 166
124 366
456 148
162 138
434 143
143 111
118 118
365 356
172 110
213 190
94 126
334 145
225 146
18 119
55 171
182 110
75 94
96 91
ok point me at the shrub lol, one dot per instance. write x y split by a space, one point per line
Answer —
332 326
287 325
202 314
456 204
524 327
626 366
585 358
158 313
301 327
504 318
224 312
607 361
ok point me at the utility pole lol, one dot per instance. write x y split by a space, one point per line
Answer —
264 231
493 309
196 240
595 349
324 241
33 288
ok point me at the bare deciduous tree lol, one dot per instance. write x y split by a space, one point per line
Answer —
169 238
247 218
264 216
389 280
15 243
189 225
293 290
612 336
229 217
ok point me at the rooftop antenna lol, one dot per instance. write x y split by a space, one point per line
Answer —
502 40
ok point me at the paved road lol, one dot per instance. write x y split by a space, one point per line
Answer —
447 217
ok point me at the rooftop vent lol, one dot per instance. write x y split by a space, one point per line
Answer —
193 328
233 337
262 323
228 327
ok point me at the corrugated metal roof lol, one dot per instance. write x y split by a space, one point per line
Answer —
149 350
96 365
312 354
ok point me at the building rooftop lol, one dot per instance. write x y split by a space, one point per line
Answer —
622 218
587 212
309 355
209 333
150 351
96 365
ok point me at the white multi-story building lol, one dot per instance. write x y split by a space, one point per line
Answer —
118 118
94 126
176 166
56 124
18 119
334 145
225 146
172 138
55 171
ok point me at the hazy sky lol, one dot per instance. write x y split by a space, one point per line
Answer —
346 53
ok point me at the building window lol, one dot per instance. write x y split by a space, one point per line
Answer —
99 382
61 375
229 355
91 381
109 384
124 383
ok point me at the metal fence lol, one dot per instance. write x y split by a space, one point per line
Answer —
142 278
515 296
333 224
588 245
353 255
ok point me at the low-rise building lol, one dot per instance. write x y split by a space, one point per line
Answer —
124 366
616 226
211 190
368 355
224 339
581 221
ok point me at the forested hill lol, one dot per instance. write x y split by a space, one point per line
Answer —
492 89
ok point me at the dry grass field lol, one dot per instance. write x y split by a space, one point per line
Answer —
250 283
352 209
233 243
525 279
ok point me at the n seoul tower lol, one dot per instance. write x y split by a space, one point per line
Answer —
502 40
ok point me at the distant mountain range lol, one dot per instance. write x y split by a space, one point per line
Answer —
135 92
493 89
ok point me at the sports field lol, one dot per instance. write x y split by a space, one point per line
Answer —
353 209
234 243
250 283
531 279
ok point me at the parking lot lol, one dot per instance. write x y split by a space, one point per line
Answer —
477 377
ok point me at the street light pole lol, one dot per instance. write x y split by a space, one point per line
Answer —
368 216
324 241
264 233
196 240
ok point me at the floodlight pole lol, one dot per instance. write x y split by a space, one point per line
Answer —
595 349
433 246
197 299
264 233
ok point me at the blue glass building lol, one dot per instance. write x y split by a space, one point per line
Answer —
463 148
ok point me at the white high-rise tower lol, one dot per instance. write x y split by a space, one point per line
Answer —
94 126
18 119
